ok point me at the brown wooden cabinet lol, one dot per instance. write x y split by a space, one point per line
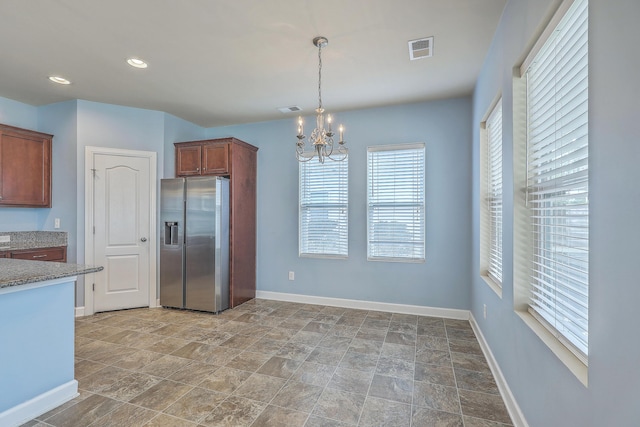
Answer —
237 160
202 158
57 254
25 168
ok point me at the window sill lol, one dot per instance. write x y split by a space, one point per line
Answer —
566 356
322 256
406 260
492 284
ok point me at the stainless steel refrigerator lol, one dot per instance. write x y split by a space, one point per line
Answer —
194 243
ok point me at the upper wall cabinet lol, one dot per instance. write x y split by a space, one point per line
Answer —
209 157
25 168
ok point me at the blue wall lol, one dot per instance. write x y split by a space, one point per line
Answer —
60 120
36 326
75 125
443 280
15 113
547 392
176 130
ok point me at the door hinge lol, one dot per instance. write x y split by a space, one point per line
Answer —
94 229
93 287
94 172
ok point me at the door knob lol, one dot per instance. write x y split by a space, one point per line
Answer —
144 239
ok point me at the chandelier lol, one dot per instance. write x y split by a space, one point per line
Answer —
321 139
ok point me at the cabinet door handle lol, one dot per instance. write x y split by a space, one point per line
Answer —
197 169
39 256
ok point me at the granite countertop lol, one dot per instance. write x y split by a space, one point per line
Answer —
32 240
18 246
15 272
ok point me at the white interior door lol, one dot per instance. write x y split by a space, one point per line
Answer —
122 211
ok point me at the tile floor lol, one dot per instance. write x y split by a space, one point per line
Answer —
271 363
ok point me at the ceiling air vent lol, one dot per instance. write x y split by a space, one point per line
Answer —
421 48
291 109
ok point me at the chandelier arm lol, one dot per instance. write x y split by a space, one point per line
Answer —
300 156
330 145
341 153
304 159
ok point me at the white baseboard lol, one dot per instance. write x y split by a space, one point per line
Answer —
80 310
509 399
448 313
40 404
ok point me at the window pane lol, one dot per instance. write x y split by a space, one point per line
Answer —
323 215
396 210
557 184
494 192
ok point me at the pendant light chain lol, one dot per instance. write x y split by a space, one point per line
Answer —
320 75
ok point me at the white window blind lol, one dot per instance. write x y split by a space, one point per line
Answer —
396 208
323 215
494 192
557 180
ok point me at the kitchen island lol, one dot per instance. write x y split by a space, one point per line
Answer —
36 337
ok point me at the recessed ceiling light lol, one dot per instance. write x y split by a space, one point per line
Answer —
138 63
59 80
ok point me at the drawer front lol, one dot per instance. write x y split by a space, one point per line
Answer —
48 254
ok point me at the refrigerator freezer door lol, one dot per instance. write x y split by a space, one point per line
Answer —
171 242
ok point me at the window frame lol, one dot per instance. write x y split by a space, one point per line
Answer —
343 225
492 197
524 234
419 204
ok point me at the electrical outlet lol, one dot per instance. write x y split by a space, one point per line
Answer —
485 311
292 275
56 223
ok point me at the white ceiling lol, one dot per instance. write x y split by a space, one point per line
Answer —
222 62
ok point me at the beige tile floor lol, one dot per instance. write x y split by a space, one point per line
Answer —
271 363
